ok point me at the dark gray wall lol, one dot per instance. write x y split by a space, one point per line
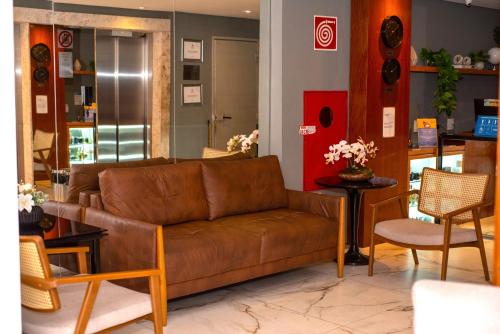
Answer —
459 30
191 122
306 69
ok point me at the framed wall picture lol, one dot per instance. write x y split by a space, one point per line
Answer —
192 50
192 94
191 72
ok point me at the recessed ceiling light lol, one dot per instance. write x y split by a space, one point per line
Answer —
141 7
247 11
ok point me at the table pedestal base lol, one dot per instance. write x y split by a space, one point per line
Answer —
355 258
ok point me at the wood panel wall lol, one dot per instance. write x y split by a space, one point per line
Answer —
369 95
54 90
496 258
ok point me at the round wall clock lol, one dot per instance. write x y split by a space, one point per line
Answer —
392 32
41 53
41 74
391 71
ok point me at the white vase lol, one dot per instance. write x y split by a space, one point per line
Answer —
494 54
479 65
77 66
450 125
413 56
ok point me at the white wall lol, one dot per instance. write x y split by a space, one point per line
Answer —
10 303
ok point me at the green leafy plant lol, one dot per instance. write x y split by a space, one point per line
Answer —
477 57
445 99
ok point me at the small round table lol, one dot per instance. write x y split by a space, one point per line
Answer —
355 192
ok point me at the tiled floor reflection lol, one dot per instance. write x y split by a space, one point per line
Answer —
313 300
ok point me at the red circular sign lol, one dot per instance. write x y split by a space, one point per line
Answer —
65 39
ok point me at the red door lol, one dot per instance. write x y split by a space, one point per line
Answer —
326 111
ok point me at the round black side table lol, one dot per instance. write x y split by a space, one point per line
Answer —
355 192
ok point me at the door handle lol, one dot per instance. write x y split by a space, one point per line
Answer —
227 117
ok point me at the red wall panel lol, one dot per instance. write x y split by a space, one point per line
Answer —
316 144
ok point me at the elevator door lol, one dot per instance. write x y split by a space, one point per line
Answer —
122 97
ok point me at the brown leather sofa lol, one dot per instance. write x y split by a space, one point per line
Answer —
213 223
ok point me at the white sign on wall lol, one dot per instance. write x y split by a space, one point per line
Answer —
389 122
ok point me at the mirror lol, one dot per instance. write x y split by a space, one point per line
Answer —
216 76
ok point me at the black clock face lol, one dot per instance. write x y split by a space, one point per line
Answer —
41 74
41 53
391 71
392 32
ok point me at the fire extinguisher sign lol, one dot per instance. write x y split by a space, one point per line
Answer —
325 33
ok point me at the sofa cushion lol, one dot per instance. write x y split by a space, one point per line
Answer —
85 177
243 186
205 248
166 194
286 233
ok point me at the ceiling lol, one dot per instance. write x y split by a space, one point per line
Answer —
481 3
234 8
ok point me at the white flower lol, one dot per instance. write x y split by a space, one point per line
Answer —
24 187
357 153
254 136
25 202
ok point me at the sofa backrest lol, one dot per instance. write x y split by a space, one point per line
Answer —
85 177
243 186
166 194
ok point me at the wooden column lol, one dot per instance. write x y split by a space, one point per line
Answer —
369 95
496 259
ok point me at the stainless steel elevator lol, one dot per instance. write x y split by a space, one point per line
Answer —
123 95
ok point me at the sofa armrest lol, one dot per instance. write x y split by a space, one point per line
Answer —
328 206
96 201
318 204
84 197
64 210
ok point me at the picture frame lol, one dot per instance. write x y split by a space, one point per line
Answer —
192 50
192 94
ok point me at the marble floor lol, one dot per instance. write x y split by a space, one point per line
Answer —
313 300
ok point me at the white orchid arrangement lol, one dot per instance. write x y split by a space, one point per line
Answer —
356 153
28 197
243 143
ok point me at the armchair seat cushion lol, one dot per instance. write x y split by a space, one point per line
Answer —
416 232
114 305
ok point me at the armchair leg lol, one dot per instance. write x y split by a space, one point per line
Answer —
444 262
87 305
415 256
372 256
480 242
154 289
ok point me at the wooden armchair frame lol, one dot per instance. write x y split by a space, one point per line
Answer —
51 283
445 247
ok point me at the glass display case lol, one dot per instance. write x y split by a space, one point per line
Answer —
452 161
81 143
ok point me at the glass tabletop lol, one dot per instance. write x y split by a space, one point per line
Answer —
53 228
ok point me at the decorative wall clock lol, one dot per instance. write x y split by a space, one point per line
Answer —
41 53
41 74
392 32
391 71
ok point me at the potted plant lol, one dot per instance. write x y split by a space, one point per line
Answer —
29 200
357 155
494 52
478 59
245 144
445 100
